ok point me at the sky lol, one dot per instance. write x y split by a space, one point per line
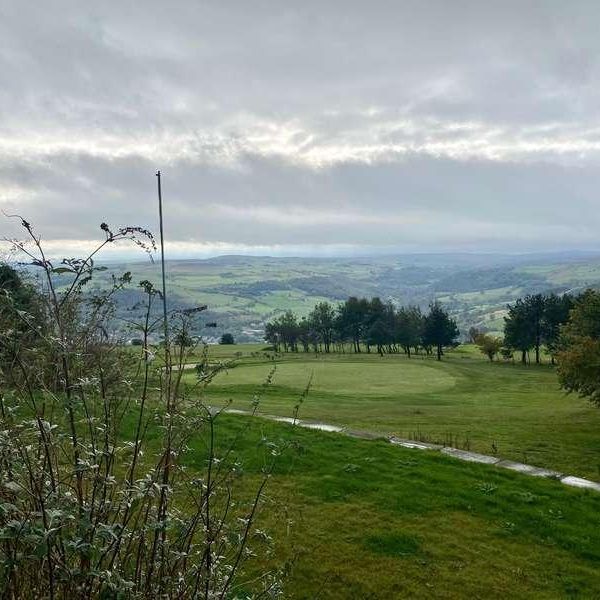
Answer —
304 128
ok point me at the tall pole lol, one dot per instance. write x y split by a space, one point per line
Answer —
162 264
162 507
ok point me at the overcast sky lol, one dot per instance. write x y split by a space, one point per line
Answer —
306 127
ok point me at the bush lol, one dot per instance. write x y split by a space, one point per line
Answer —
227 339
489 345
95 499
579 348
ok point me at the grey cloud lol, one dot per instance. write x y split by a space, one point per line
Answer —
420 201
444 124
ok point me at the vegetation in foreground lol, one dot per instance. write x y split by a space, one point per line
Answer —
116 482
95 498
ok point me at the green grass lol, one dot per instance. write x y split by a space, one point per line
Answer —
341 379
518 412
365 519
361 519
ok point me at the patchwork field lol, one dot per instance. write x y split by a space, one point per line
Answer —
244 292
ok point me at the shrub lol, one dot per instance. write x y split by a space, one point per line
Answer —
95 498
227 339
489 345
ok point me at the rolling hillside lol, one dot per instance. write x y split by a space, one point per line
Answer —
243 292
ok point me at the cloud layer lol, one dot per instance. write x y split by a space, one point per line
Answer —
298 128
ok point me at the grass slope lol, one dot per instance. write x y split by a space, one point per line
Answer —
361 519
517 411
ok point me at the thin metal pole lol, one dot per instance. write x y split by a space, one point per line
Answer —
162 264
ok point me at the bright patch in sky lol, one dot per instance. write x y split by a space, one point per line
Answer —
304 128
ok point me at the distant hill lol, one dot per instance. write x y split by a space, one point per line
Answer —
244 292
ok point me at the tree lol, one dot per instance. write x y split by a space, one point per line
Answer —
352 320
517 329
227 339
17 296
375 312
507 353
11 281
439 330
283 330
273 335
289 330
322 319
378 335
535 306
22 316
409 328
531 321
488 345
579 348
304 333
556 314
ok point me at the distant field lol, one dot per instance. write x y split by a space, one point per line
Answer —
518 412
243 293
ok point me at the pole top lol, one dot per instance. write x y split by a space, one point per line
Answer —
158 173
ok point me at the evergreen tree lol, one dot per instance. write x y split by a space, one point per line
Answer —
352 320
227 339
409 328
439 330
322 320
556 314
518 333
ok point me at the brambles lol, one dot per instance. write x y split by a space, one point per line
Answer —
95 496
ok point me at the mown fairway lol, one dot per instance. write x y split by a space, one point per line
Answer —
364 519
514 411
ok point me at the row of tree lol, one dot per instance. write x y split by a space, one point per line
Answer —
532 322
363 323
535 321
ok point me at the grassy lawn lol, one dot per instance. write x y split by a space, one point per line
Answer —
518 412
362 519
365 519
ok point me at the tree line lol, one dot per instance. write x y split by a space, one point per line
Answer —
532 323
568 326
368 324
